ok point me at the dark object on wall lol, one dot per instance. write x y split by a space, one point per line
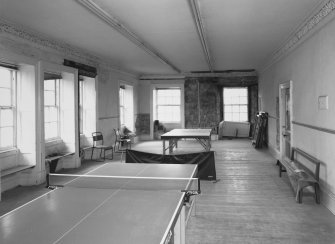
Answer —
260 132
83 69
142 124
204 160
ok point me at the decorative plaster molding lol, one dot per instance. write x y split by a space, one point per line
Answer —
306 29
47 43
60 47
198 75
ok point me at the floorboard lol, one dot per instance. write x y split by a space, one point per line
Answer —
250 203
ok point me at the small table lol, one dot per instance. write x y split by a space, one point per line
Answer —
203 136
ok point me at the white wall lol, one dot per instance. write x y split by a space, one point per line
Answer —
33 50
146 101
108 101
310 66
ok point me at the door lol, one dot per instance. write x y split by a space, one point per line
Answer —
285 119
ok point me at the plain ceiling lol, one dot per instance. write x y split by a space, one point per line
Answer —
238 34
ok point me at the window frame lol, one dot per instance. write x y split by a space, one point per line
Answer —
81 105
157 105
122 107
224 105
57 82
12 106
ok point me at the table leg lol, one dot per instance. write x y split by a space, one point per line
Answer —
170 146
53 165
208 144
163 147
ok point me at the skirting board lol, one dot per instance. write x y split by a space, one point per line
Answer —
327 197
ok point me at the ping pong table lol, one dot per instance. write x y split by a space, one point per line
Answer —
87 210
203 136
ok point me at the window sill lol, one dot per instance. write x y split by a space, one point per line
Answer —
15 169
54 141
8 152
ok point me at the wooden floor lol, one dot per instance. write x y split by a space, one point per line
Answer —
250 203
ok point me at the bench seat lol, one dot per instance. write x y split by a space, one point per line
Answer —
53 159
299 175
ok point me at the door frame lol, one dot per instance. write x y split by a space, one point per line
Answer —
282 86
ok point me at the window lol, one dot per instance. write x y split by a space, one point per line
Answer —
81 105
87 105
235 104
122 105
168 103
7 107
51 108
126 99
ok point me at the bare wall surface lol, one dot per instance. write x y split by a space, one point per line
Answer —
22 46
310 67
203 99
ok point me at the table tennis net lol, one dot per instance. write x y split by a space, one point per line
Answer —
123 182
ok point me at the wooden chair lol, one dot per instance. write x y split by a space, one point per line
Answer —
121 143
98 143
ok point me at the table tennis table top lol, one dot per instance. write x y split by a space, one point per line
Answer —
187 133
93 215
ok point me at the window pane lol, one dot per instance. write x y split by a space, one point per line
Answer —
6 117
49 98
121 92
243 92
236 117
5 97
122 115
244 109
50 114
7 137
51 130
243 100
168 96
5 78
168 113
243 116
227 100
238 99
228 109
228 117
168 105
235 100
50 85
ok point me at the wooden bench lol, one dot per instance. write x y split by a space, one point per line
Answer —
299 175
53 159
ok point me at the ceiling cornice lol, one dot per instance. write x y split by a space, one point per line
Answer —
39 40
319 17
122 29
195 9
199 75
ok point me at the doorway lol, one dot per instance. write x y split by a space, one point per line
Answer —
285 102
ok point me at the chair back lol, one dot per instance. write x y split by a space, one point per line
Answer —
117 134
98 138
